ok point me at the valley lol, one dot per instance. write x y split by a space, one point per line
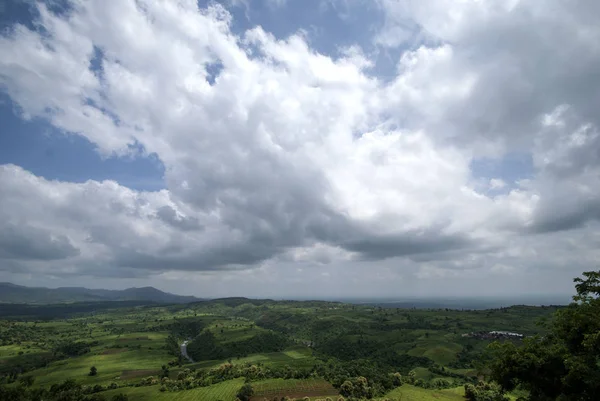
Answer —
275 349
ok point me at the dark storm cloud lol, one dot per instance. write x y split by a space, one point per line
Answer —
408 244
568 162
233 257
456 253
565 216
31 243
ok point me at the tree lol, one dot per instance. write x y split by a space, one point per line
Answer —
165 371
27 381
93 371
120 397
172 345
484 392
245 392
347 388
397 379
563 365
357 388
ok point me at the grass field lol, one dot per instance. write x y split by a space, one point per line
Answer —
296 356
412 393
224 391
236 331
12 351
293 388
441 352
424 374
128 345
110 367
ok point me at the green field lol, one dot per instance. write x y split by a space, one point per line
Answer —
296 388
412 393
221 391
110 367
441 352
281 348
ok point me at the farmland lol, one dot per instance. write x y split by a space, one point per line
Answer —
293 388
412 393
221 391
278 349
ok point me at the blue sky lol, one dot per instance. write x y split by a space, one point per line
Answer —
223 147
329 27
42 149
51 153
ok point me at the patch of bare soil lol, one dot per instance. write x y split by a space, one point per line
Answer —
111 351
134 374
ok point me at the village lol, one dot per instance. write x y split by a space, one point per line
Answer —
494 335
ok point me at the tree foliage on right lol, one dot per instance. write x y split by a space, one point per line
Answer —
564 365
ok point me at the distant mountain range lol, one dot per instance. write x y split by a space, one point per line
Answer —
12 293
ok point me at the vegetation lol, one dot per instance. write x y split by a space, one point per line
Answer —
564 364
11 293
205 346
255 349
245 392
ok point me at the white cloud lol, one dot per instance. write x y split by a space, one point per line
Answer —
293 156
497 183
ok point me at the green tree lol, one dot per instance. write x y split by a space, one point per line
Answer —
245 392
93 371
165 371
27 381
357 388
172 345
565 364
484 392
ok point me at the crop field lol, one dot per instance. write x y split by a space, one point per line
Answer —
224 391
112 367
134 348
293 388
236 331
293 356
438 351
412 393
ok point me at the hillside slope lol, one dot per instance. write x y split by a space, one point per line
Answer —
12 293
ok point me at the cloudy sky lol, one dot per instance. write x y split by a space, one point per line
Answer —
295 148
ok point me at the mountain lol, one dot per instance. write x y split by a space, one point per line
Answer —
12 293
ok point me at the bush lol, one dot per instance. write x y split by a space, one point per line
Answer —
484 392
97 388
245 392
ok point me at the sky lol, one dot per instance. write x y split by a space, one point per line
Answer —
300 149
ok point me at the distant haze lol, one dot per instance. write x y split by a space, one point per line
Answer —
462 303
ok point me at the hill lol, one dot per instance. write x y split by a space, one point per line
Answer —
12 293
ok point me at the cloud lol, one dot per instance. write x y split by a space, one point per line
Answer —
31 243
493 74
411 243
497 183
274 152
170 216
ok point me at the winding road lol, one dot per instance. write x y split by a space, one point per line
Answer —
184 351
